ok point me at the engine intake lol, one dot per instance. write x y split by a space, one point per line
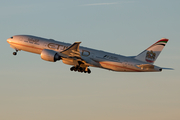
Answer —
50 55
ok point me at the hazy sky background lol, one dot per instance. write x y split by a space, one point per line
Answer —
33 89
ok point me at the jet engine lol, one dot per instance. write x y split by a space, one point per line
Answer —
50 55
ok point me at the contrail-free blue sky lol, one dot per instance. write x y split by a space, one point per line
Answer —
33 89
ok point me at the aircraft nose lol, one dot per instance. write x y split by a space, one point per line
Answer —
9 39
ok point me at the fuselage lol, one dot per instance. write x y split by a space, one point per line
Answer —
95 58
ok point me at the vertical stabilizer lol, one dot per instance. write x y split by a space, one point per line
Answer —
150 54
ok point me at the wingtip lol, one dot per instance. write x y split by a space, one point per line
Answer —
78 42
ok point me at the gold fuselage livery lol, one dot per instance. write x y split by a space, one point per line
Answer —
81 57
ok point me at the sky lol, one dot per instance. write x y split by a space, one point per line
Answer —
34 89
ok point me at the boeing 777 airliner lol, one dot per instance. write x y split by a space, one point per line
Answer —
81 58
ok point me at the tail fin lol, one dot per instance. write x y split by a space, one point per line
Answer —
150 54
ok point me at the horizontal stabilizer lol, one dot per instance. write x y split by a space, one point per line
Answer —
146 66
168 68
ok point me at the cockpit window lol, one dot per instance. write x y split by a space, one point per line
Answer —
11 37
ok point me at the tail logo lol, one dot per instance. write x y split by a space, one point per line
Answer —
150 56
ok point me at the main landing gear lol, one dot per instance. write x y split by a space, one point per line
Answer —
80 69
15 53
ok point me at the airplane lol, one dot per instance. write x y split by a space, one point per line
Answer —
81 58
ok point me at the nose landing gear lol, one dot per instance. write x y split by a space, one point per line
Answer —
15 53
80 69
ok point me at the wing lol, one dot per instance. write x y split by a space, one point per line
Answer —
72 56
72 51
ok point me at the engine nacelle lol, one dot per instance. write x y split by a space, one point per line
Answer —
68 61
50 55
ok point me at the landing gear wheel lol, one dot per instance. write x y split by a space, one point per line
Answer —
72 68
75 69
80 69
14 53
89 71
